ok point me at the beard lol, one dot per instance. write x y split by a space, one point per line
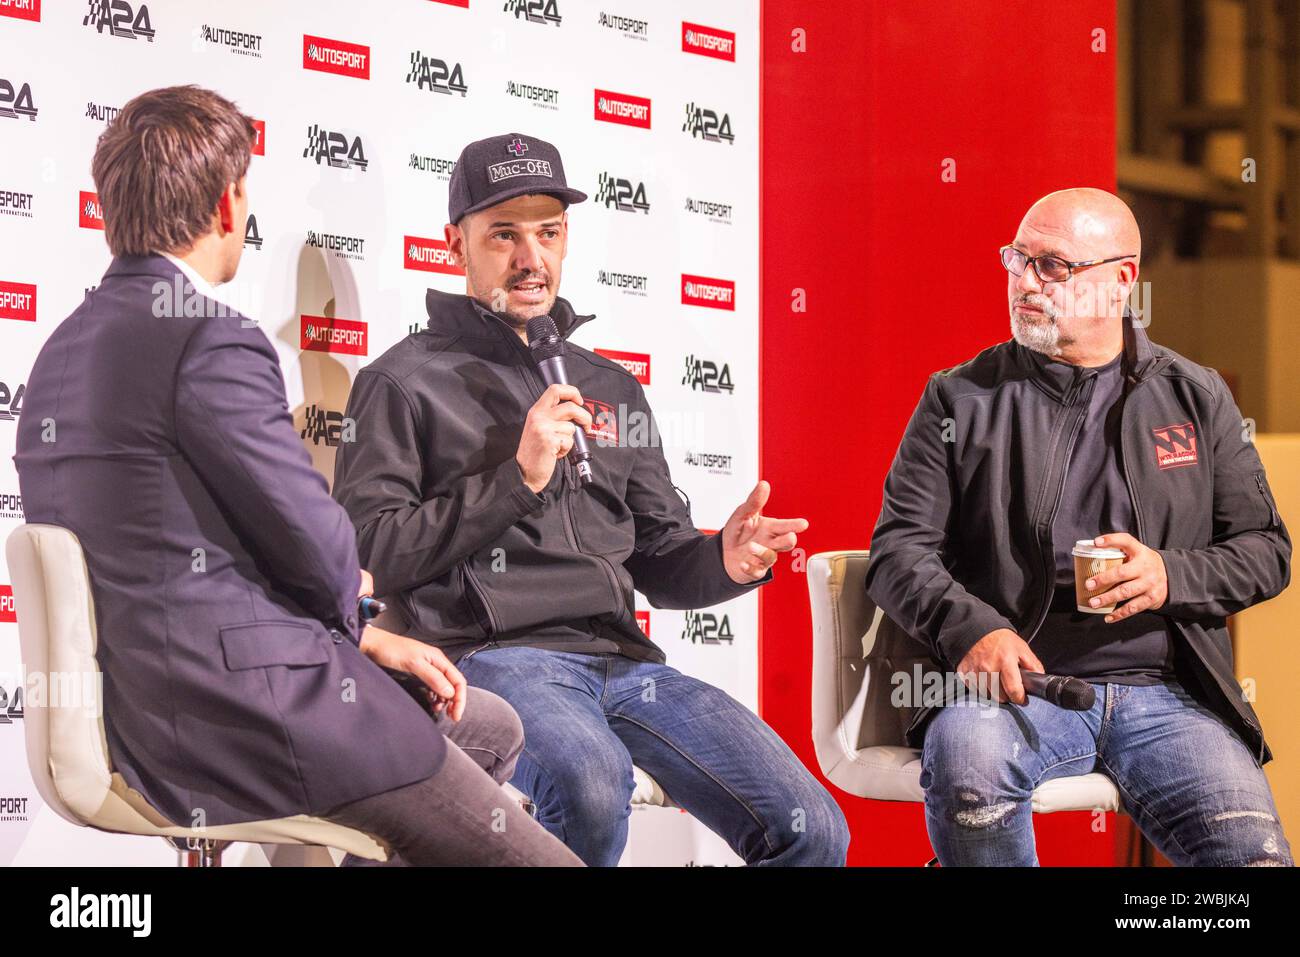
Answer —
1042 334
496 298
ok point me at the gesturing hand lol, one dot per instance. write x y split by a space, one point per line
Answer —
751 541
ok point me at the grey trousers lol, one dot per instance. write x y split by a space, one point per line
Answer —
460 816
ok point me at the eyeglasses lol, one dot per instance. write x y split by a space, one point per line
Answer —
1048 268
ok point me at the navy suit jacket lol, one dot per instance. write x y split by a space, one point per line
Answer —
224 576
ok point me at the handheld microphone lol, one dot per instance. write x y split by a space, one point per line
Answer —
548 352
1073 694
370 608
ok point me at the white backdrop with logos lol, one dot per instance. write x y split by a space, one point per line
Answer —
363 109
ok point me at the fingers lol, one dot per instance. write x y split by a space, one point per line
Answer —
1120 540
556 394
1013 689
753 505
433 678
367 584
1131 607
571 412
780 530
563 443
1123 572
1029 661
1125 591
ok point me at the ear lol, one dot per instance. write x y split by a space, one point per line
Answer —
455 237
226 208
564 243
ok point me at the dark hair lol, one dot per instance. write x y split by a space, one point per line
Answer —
162 164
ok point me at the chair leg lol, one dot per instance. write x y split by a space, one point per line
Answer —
198 851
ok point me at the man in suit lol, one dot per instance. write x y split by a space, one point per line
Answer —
239 683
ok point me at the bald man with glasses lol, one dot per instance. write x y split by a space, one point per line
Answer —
1079 429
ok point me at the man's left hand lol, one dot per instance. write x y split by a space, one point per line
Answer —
751 541
1140 581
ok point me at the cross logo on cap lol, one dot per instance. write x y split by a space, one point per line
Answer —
517 146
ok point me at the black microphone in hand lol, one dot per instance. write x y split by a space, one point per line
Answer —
548 352
1073 694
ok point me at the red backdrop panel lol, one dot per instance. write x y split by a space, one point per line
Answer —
900 272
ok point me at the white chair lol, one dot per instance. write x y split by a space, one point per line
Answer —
858 734
66 748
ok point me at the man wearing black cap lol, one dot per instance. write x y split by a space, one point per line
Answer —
475 524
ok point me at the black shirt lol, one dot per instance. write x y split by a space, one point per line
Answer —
1095 501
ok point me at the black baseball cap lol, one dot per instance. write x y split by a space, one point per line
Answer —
501 167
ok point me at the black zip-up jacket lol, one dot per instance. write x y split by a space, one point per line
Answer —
963 545
471 554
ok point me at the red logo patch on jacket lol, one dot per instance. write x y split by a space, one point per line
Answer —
1175 445
604 421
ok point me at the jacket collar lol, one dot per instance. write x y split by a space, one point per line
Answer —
450 310
1141 360
155 264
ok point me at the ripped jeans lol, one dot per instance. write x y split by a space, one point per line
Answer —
1185 778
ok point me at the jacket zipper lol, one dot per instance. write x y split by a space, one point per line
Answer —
1274 519
479 592
1048 556
570 478
490 644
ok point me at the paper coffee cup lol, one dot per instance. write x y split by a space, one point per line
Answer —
1091 560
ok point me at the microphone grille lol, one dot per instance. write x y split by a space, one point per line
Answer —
1077 694
544 338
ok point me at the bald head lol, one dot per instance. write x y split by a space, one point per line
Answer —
1085 223
1075 318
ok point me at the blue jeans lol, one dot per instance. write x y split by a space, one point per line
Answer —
1185 778
588 718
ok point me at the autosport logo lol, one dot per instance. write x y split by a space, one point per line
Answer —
716 463
16 101
14 203
17 301
90 214
623 108
119 19
637 363
21 9
429 255
326 334
643 622
335 56
259 137
342 246
708 41
236 41
711 293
